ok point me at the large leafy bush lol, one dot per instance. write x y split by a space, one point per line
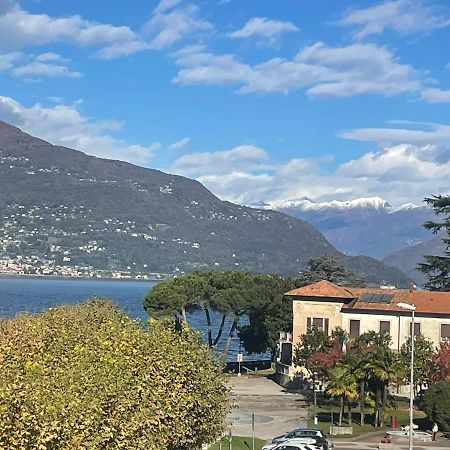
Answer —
436 403
88 377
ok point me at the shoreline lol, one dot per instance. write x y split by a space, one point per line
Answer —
63 277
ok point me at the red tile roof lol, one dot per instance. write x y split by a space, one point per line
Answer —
321 289
424 301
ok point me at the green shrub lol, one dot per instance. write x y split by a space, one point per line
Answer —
88 377
436 404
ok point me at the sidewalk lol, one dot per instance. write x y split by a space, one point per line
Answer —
370 442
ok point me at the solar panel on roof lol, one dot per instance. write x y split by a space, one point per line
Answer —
376 298
367 298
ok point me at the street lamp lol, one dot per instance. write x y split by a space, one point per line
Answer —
411 308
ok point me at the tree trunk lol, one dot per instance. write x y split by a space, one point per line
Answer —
183 315
219 333
341 409
208 321
383 404
230 335
377 406
362 396
349 413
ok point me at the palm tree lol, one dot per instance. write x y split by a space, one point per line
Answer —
341 384
383 368
357 360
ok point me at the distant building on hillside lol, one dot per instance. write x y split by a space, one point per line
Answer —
326 306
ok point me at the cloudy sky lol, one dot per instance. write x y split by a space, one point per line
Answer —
259 100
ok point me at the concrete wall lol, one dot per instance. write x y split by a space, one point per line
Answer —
370 320
304 309
400 325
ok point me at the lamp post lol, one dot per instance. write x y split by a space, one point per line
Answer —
411 308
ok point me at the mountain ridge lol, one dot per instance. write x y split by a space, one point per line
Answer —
71 209
368 226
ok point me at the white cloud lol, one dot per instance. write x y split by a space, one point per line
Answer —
418 134
181 144
37 69
19 28
34 67
402 16
321 70
238 159
435 95
65 125
402 162
169 25
262 27
7 60
245 174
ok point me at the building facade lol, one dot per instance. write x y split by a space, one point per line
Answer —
327 306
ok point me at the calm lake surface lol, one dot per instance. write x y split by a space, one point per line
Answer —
35 294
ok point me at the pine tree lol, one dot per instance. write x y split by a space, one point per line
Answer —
437 268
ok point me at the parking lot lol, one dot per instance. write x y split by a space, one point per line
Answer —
275 410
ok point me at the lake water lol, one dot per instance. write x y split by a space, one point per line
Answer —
35 294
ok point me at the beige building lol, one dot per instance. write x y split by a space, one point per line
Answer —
357 310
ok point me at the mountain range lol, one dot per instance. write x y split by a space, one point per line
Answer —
61 207
369 226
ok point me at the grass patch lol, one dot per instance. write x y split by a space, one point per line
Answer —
326 409
238 443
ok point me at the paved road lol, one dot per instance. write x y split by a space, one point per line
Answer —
275 410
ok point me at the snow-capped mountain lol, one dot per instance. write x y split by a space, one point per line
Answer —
369 226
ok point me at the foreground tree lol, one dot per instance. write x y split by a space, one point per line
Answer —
436 404
88 377
231 293
341 384
423 355
440 363
437 268
269 315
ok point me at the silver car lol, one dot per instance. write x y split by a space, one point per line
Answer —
303 433
304 443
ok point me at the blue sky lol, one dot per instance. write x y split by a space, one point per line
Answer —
259 100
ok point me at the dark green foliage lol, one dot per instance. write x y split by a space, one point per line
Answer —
330 269
437 268
272 314
233 294
313 341
423 355
436 404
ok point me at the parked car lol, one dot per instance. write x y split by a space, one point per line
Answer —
304 443
301 433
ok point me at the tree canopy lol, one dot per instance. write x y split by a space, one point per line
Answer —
436 403
437 268
88 377
330 269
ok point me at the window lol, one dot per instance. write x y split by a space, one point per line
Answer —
320 323
417 329
385 326
354 328
445 332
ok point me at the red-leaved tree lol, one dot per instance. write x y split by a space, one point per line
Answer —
440 369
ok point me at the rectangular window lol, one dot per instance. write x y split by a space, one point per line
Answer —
417 329
354 328
445 332
385 326
318 322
